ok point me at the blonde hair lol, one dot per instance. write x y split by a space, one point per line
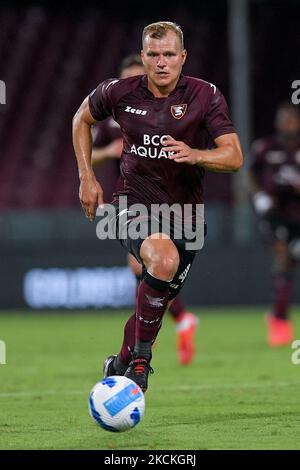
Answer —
159 30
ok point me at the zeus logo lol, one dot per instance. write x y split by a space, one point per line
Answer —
131 110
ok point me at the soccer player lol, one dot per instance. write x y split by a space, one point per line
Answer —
107 147
166 120
275 178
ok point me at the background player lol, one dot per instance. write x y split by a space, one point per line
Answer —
275 183
107 147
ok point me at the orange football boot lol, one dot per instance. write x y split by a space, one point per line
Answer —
279 331
186 328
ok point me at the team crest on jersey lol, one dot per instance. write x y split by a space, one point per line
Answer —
178 110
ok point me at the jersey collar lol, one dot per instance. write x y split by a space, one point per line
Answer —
182 83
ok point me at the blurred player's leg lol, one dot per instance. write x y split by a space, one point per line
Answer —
136 268
280 330
186 324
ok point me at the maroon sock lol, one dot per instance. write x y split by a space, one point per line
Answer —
283 284
152 300
176 308
128 341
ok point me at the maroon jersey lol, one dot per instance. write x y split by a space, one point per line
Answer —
276 171
194 112
107 174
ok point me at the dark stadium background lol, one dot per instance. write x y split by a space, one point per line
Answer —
51 57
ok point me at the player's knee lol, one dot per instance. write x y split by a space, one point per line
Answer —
160 257
164 265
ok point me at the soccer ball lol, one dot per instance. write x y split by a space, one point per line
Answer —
116 403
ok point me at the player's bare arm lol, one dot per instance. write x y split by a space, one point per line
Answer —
227 157
90 191
112 151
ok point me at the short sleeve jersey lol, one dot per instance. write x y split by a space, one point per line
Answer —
194 112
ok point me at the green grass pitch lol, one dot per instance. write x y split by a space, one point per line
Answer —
237 394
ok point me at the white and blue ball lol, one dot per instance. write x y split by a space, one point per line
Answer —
116 403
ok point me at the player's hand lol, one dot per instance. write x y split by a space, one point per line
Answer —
114 149
90 195
262 202
182 153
